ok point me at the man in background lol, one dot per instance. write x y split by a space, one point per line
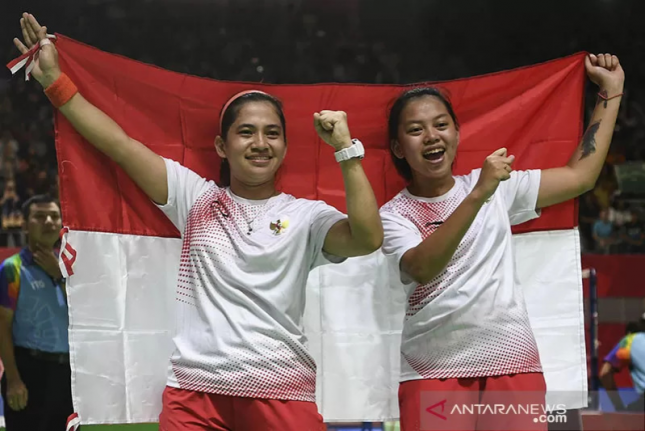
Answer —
628 353
36 385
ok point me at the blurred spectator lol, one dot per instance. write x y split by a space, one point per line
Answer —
8 150
605 187
12 219
618 213
389 73
633 235
603 232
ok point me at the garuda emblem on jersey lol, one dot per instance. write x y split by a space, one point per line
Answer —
279 226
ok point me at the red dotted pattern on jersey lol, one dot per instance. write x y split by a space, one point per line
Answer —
427 216
276 369
273 365
501 344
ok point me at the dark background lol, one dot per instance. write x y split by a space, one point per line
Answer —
306 41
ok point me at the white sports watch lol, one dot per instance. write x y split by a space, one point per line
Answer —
356 150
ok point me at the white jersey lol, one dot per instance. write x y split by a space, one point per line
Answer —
241 289
471 319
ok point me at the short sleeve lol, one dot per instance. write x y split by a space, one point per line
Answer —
184 188
612 357
9 284
520 194
400 235
323 217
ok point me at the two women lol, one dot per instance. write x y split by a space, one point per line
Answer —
239 357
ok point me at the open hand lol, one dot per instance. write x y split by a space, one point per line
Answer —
17 394
46 69
48 261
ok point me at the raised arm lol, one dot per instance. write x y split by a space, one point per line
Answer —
580 174
362 232
146 168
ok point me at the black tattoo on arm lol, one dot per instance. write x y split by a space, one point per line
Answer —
603 98
588 143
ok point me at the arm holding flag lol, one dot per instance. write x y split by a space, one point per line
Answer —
146 168
580 175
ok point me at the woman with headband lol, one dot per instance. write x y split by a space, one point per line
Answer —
239 361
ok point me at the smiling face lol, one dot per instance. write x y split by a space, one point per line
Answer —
427 138
255 143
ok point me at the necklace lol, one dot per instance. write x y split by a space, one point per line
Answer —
255 210
250 219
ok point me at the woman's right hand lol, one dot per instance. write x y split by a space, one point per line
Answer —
46 69
93 124
497 167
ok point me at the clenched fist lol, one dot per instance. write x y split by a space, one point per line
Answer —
497 167
333 129
605 71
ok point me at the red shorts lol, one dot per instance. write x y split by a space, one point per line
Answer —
188 410
502 403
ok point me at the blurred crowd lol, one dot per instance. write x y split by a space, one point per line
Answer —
612 216
300 41
27 155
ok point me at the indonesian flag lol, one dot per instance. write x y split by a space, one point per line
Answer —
124 253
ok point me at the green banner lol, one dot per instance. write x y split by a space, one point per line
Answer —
631 177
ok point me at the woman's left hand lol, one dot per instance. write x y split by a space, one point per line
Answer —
605 71
333 129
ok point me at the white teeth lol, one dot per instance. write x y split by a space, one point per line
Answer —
435 151
259 158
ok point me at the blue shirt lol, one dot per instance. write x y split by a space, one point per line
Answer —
630 353
602 228
40 311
